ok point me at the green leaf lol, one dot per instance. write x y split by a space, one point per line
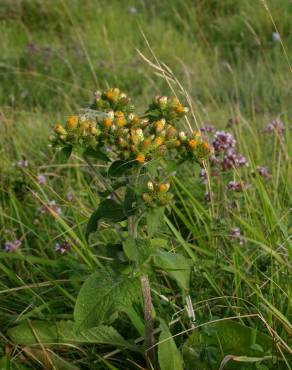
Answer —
169 357
95 153
138 250
108 209
119 168
64 154
48 333
154 219
206 348
176 265
103 294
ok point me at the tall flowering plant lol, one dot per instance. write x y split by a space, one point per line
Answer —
139 154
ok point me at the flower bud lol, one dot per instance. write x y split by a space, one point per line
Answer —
159 125
162 101
140 135
147 198
121 121
158 141
182 135
111 114
60 130
94 131
163 188
150 186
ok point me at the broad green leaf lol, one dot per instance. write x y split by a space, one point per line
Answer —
138 250
169 357
119 168
108 209
154 220
64 154
176 265
103 294
49 333
207 347
95 153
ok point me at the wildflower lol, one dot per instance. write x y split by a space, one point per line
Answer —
140 158
41 179
203 174
159 125
276 37
23 163
182 135
235 234
62 247
192 144
70 196
72 122
11 247
133 10
263 172
163 188
232 159
275 126
51 204
236 186
150 186
107 122
60 130
223 140
207 129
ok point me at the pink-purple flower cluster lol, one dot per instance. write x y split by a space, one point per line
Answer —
275 126
53 205
235 235
62 247
12 246
223 141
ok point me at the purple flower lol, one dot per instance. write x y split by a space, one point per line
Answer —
11 247
235 235
233 159
275 126
236 186
41 179
263 172
223 141
52 204
203 174
208 129
62 247
70 196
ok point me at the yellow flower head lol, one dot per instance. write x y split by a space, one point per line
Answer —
140 158
192 144
72 122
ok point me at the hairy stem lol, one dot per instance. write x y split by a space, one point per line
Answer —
149 332
146 293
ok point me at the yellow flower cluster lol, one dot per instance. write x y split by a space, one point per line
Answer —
111 125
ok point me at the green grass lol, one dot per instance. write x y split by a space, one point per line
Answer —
54 55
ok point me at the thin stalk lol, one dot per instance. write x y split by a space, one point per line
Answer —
146 293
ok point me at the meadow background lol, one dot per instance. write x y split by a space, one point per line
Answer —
54 55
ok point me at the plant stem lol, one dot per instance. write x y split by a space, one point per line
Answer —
149 333
146 293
